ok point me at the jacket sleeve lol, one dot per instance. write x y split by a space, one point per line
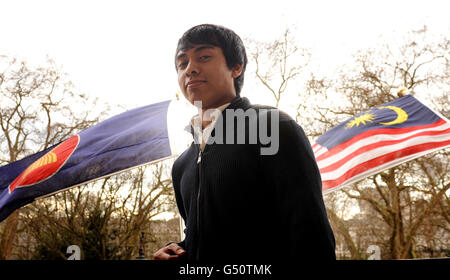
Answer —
299 210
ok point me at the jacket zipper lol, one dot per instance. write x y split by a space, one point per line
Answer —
199 162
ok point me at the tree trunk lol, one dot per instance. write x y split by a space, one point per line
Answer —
351 246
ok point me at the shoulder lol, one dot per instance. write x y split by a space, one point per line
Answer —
274 116
272 111
261 110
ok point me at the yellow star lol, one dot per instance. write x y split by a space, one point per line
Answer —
360 119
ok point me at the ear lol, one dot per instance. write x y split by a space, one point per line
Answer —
236 71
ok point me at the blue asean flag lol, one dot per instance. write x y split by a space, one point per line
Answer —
130 139
378 139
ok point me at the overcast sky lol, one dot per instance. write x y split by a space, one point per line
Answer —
123 50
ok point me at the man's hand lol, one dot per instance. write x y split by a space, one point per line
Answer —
170 252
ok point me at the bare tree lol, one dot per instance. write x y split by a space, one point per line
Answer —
338 207
39 107
407 197
105 218
278 63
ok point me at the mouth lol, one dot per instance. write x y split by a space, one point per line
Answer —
194 84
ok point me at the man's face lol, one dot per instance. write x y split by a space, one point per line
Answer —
203 76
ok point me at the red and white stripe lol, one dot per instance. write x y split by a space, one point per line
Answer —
319 150
375 150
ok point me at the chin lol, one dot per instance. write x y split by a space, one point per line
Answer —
197 98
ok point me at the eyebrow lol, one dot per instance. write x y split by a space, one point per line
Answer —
196 50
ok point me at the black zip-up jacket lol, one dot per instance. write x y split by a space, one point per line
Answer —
239 205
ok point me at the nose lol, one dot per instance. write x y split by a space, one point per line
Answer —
192 69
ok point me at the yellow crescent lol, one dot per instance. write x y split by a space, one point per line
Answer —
402 116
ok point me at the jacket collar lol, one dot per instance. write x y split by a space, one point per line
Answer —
236 102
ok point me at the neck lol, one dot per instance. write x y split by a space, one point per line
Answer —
207 120
217 104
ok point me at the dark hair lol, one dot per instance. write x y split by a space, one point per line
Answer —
219 36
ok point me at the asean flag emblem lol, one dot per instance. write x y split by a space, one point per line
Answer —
47 165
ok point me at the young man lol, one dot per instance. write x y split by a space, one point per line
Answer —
242 199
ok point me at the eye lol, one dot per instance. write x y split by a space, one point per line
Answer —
182 64
203 57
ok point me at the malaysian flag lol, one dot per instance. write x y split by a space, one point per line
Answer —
378 139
